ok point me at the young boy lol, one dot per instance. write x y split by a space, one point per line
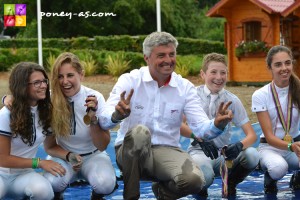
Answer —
245 158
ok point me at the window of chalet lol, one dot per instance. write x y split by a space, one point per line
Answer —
252 31
286 32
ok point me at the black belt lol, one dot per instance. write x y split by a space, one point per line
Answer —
263 140
86 154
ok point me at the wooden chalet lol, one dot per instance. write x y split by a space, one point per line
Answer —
271 21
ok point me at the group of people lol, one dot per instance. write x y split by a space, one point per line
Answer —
153 107
67 124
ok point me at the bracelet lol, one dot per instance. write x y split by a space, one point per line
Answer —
35 163
193 136
39 161
290 147
67 156
94 120
93 109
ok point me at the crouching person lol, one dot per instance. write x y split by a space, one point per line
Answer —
149 104
24 127
242 156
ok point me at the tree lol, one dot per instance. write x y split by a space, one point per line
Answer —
206 3
183 18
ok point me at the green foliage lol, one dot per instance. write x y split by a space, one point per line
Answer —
117 66
60 43
101 58
128 12
137 59
197 46
19 43
182 68
81 43
115 43
206 3
28 54
192 61
50 62
47 53
98 59
3 60
12 56
183 18
30 31
89 65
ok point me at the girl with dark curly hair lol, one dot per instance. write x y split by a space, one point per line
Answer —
22 129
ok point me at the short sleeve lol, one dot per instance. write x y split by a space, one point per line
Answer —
5 122
259 101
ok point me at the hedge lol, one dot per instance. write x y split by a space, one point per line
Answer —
187 46
10 56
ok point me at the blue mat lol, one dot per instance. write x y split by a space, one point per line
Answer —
250 188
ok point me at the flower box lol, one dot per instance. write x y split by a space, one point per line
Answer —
251 49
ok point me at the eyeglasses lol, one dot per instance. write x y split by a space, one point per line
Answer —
286 63
38 84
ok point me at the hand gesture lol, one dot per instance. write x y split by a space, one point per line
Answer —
208 147
75 160
91 103
52 167
122 109
296 148
233 150
223 116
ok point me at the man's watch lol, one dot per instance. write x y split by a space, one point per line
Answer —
94 120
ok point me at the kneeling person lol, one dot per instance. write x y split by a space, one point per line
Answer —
212 93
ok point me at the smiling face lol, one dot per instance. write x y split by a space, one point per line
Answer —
215 76
161 62
69 79
36 93
281 68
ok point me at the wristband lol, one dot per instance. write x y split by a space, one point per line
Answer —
115 120
290 147
67 156
193 136
35 163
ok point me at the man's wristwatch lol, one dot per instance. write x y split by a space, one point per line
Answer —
94 120
115 120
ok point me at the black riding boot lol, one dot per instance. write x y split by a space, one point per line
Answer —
203 193
295 181
270 185
58 196
236 176
96 196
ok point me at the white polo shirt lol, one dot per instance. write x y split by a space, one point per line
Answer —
262 100
161 109
240 116
18 147
80 140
